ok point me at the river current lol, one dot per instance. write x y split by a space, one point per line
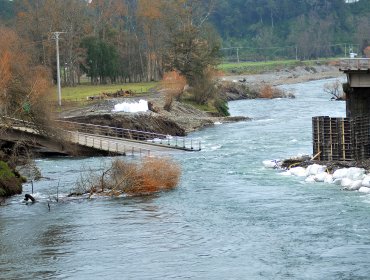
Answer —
229 218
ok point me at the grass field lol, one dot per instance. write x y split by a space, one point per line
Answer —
82 91
264 66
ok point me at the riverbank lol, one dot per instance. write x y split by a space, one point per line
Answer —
10 181
184 118
285 76
349 175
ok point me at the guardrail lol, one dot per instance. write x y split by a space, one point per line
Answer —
137 135
354 64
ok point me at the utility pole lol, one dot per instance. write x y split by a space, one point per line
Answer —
296 52
56 38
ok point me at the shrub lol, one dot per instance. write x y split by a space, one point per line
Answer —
222 107
173 83
204 88
9 183
269 92
147 176
266 92
367 52
152 175
238 90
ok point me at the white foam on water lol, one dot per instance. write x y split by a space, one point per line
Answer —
364 190
217 147
276 163
132 107
352 179
265 120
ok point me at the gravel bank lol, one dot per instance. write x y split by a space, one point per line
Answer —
289 76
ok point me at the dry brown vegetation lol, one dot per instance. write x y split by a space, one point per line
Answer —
148 176
24 86
269 92
236 91
367 52
173 83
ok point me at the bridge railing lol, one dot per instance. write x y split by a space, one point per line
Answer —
109 145
150 137
354 64
17 122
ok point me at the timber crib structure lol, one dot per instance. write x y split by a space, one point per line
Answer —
347 139
341 138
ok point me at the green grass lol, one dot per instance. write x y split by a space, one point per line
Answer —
82 91
265 66
5 171
9 183
202 107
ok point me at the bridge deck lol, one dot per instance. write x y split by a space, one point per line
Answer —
166 141
354 64
116 140
116 145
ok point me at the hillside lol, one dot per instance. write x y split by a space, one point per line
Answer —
305 29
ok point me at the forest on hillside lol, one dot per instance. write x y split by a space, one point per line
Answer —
307 29
139 40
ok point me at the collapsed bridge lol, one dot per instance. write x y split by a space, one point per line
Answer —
76 138
347 139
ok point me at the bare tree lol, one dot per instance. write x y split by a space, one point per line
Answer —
335 90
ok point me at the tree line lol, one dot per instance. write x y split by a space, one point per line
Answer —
313 27
116 41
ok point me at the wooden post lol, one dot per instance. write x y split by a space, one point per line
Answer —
318 137
343 144
331 142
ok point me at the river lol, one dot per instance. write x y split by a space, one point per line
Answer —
230 218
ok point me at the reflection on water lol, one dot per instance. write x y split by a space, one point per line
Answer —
230 218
